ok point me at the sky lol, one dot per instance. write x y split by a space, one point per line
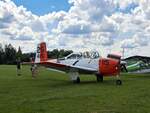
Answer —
108 26
42 7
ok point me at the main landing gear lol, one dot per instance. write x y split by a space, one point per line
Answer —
74 76
77 80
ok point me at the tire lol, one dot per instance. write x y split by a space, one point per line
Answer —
77 80
118 82
99 78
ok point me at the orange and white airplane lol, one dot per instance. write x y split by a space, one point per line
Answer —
81 63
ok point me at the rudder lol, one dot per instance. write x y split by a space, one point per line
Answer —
41 53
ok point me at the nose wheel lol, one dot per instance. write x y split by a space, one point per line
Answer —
118 82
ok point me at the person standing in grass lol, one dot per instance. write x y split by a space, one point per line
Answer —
33 68
18 64
34 71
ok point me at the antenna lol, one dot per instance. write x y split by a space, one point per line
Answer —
123 51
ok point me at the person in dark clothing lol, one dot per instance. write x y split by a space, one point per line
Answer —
18 63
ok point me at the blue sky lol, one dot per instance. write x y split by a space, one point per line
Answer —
41 7
128 9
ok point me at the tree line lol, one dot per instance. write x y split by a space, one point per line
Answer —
9 55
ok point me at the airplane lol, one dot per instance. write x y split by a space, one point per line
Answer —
81 63
137 67
137 64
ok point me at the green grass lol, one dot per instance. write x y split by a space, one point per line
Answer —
52 92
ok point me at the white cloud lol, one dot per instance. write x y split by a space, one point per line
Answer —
101 38
128 43
138 40
125 3
24 34
88 24
142 40
108 25
91 9
37 25
74 26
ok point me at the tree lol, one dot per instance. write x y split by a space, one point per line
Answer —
67 52
1 54
26 57
58 53
53 54
10 54
63 53
19 53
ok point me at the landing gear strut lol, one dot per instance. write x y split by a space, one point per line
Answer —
118 81
99 78
74 76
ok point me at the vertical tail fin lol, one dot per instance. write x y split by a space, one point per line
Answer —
41 53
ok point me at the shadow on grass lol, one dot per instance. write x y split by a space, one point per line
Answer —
64 84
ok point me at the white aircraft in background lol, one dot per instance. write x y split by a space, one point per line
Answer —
81 63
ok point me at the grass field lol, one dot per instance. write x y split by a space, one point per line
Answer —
52 92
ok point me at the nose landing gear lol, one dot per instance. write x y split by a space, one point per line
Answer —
118 82
99 78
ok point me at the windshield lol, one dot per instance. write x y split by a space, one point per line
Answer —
86 54
74 56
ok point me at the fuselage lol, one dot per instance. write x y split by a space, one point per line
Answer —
82 62
86 59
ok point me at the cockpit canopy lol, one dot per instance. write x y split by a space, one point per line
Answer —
86 54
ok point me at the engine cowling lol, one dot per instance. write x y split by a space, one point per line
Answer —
109 66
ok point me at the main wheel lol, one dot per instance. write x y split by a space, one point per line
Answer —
99 78
118 82
77 80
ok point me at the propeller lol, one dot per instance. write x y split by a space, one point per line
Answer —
123 67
